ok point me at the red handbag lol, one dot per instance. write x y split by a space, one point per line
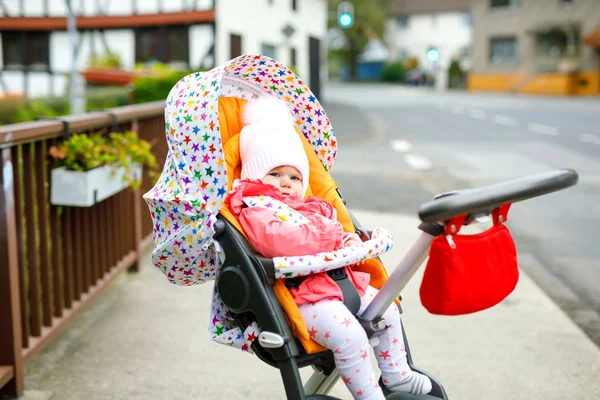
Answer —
470 273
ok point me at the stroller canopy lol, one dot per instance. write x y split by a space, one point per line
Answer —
188 195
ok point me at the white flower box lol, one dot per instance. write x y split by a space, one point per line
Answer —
86 188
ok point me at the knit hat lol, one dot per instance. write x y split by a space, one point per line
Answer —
269 140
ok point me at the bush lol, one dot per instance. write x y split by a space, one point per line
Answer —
21 110
393 72
456 76
109 59
156 87
106 97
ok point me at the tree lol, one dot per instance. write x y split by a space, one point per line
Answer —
369 22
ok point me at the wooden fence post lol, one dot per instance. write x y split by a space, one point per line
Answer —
137 229
11 347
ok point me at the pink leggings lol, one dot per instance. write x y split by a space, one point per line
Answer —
331 325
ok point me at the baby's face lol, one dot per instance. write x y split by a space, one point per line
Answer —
285 178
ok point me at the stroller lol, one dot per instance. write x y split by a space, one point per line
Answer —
197 239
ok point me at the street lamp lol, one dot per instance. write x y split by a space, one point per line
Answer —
77 106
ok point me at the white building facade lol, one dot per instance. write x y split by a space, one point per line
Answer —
444 27
36 52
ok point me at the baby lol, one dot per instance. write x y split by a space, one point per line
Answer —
274 164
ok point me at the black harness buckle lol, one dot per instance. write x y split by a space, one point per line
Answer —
337 274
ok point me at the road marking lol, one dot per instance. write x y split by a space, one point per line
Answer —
477 114
505 120
401 146
457 109
543 129
589 138
417 162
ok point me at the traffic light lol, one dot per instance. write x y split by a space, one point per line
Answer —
433 55
345 14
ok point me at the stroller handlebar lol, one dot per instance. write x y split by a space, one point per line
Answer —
486 198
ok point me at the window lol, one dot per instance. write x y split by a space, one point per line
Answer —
503 50
268 50
465 18
402 22
235 45
165 44
26 49
554 45
295 5
504 3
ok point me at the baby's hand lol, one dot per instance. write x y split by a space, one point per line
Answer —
352 242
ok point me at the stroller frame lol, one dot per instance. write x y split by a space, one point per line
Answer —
246 279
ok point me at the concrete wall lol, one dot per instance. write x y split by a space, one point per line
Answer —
519 22
262 23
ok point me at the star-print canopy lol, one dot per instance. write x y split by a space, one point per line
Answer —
188 195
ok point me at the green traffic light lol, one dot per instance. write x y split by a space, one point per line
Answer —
345 20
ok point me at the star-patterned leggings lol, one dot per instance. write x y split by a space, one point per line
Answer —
333 326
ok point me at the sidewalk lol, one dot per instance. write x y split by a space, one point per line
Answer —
146 339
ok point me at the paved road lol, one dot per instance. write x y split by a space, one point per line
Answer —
423 142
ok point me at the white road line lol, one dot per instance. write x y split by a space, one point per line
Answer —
543 129
477 114
589 138
401 146
505 120
417 162
457 109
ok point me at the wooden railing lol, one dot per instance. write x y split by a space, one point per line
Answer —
56 260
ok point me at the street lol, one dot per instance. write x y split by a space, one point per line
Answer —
145 338
422 142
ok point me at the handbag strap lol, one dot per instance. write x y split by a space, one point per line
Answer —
499 216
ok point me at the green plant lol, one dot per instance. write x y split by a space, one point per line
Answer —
83 152
411 63
129 149
155 67
109 60
22 109
393 72
155 87
456 75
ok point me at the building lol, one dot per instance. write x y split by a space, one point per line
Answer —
536 46
36 52
443 27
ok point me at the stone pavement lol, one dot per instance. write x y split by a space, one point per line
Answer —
146 339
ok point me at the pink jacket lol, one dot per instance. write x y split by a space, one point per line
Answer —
272 237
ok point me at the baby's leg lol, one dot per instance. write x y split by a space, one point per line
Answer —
391 353
331 325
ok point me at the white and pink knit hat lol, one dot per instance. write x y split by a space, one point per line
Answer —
269 140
